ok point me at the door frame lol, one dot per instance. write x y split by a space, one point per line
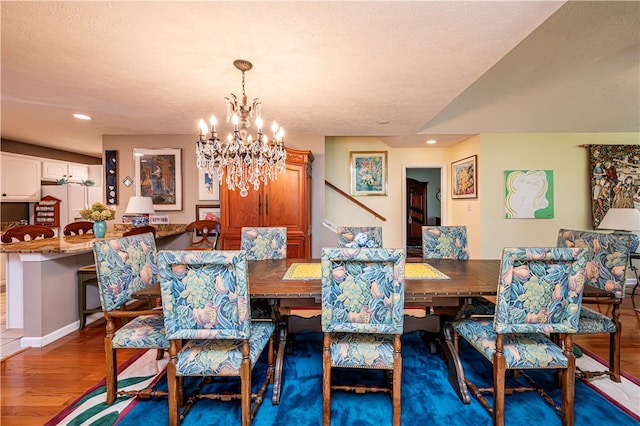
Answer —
444 191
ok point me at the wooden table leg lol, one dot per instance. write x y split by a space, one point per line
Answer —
277 377
456 373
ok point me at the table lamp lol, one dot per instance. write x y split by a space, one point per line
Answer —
142 206
626 220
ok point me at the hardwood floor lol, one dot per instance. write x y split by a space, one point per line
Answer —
38 383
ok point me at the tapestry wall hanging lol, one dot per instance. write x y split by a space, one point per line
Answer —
615 178
529 194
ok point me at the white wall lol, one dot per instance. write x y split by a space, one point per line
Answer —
488 230
339 211
560 152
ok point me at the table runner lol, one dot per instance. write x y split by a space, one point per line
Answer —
412 271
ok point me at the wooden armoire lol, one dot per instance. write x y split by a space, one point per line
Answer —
282 202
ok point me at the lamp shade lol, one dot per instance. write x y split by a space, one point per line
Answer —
140 205
621 220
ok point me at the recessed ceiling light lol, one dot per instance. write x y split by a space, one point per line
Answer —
383 121
82 117
431 141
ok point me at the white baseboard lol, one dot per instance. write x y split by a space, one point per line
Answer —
39 342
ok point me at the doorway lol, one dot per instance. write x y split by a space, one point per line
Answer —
422 203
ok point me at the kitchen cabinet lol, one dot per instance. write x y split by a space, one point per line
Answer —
282 202
20 178
56 170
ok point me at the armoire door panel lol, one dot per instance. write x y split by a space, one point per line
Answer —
284 199
242 211
283 202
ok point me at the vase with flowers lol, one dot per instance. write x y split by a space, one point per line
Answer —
99 214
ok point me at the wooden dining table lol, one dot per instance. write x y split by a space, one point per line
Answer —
447 299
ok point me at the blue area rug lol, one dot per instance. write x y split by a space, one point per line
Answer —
427 397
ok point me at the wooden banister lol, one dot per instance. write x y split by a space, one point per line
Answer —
353 200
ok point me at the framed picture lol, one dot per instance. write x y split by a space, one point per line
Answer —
111 173
208 212
528 194
159 176
208 186
368 173
464 178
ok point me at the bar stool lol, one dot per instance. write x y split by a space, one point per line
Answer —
86 275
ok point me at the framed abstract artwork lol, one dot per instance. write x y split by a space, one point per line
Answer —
159 176
208 186
464 178
529 194
368 173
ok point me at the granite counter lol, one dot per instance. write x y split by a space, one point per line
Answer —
42 283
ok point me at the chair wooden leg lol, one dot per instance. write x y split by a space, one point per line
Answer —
112 372
174 388
614 353
499 371
397 381
245 384
326 380
568 384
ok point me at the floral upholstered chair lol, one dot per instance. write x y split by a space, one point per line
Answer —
445 242
362 317
262 243
450 242
539 292
205 299
607 272
124 266
359 236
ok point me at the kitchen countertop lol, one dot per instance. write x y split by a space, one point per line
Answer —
78 243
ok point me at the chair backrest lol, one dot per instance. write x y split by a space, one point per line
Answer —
610 251
20 232
445 242
540 290
78 228
204 233
363 290
359 236
124 266
137 230
205 294
264 242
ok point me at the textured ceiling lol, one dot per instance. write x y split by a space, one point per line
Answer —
431 69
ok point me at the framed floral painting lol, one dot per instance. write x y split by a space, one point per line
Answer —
464 178
208 212
368 173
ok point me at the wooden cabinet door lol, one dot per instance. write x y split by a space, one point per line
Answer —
285 198
240 211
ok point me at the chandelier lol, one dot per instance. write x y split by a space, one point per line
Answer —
243 160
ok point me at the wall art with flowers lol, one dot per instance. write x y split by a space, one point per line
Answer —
368 173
